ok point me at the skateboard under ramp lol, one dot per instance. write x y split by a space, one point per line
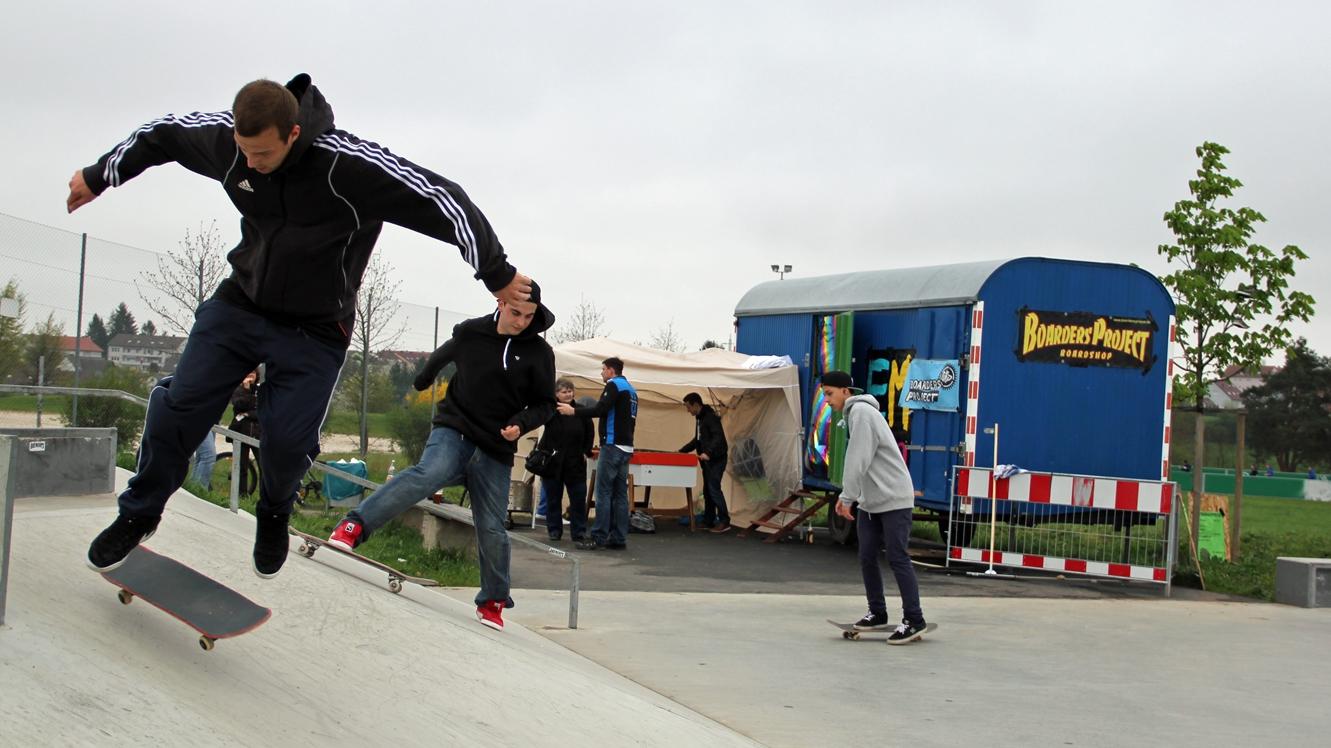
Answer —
342 659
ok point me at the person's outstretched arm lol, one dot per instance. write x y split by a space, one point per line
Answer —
380 185
201 142
441 357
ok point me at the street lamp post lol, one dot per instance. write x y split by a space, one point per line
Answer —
781 271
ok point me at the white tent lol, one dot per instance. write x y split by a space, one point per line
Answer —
759 408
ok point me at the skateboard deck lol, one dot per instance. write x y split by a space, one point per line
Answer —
204 604
310 544
848 631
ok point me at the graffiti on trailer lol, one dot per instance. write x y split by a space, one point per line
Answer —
887 378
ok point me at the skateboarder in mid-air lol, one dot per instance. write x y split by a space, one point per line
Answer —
312 200
876 478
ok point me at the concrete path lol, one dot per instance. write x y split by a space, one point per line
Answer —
998 672
343 661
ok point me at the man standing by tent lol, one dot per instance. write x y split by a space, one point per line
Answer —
617 413
709 441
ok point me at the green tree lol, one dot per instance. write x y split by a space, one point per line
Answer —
1226 285
402 378
98 333
148 328
410 426
121 321
112 412
1289 415
12 343
42 355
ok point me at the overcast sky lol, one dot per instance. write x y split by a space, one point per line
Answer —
658 158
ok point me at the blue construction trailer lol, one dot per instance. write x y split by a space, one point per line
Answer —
1069 358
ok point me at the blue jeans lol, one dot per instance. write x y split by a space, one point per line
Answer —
612 497
890 530
204 459
451 459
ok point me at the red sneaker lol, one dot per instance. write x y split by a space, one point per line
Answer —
491 613
346 535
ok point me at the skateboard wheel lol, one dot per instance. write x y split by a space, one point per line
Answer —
306 550
125 596
394 585
207 644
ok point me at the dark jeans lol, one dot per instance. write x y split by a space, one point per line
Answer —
225 344
552 495
890 529
714 501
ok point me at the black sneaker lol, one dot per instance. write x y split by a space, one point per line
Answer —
109 549
271 542
906 631
871 622
590 545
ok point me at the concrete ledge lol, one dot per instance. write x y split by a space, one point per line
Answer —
64 462
442 526
1305 582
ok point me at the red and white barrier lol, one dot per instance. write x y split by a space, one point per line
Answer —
1116 498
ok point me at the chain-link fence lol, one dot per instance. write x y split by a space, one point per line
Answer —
56 281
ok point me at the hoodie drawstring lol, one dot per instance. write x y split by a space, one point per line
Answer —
504 359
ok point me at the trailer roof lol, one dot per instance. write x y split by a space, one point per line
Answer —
936 285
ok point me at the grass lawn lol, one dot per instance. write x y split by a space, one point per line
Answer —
348 422
1270 527
28 403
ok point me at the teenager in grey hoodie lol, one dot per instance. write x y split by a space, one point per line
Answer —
876 478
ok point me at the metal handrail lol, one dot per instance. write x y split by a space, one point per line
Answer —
446 511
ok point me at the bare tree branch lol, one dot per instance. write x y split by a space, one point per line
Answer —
586 322
185 277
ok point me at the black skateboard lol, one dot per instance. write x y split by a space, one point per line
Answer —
310 544
848 631
204 604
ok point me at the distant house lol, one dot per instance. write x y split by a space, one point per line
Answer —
1227 394
145 352
410 360
88 351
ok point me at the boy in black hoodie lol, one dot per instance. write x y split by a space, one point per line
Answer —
503 388
709 441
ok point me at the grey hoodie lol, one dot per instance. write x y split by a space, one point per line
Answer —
875 474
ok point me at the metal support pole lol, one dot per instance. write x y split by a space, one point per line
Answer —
41 382
78 331
8 481
993 501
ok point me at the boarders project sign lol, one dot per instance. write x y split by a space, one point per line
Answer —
1086 339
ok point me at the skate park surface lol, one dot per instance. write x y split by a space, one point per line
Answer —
344 660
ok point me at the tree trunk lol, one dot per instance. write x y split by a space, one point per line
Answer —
1236 510
1198 476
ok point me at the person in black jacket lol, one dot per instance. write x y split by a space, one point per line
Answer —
709 441
312 200
245 420
570 439
503 388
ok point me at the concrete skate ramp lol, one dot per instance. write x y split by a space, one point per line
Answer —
342 658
